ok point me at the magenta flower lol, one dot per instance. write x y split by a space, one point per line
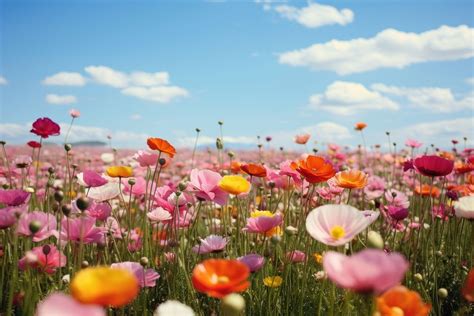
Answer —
81 228
145 158
263 224
99 210
433 166
92 179
45 127
7 217
211 243
13 197
254 261
45 258
45 221
397 213
145 277
61 304
368 271
205 183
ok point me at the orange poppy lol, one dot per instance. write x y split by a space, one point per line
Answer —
401 301
446 155
426 189
162 145
104 286
468 288
360 126
463 189
254 170
351 179
314 169
119 171
219 277
461 167
235 167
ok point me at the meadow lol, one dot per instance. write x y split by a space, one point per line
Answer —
374 230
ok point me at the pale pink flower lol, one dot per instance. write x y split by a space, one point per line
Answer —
302 138
296 256
138 189
74 113
375 188
46 221
81 228
145 158
92 179
100 211
397 198
413 143
368 271
59 304
204 183
145 277
159 215
211 243
7 217
263 224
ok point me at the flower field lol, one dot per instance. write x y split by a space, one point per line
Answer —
169 231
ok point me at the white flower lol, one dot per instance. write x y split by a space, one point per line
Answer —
173 308
464 207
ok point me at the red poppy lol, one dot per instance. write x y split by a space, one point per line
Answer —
468 288
162 145
254 170
314 169
45 127
34 144
433 166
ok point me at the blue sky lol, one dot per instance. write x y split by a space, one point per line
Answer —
400 66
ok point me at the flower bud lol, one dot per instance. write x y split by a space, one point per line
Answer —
58 196
66 209
34 227
219 144
276 239
144 261
82 203
67 147
131 181
162 161
84 264
442 292
46 249
290 230
418 277
232 305
374 240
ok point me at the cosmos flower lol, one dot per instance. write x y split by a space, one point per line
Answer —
211 243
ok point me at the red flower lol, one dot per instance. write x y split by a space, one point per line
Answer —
34 144
45 127
433 166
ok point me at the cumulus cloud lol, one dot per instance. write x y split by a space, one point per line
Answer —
430 98
160 94
147 79
388 49
470 81
13 130
3 81
348 98
107 76
328 132
65 79
60 99
316 15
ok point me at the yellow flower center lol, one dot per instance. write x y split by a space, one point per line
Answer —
337 232
220 279
397 311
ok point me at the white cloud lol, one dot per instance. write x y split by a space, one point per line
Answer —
3 81
316 15
470 81
136 117
348 98
160 94
60 99
65 79
107 76
13 130
388 49
327 132
430 98
146 79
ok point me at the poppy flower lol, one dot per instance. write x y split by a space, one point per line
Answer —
462 168
351 179
205 183
234 184
62 304
401 301
14 197
254 170
92 179
104 286
74 113
119 172
273 281
468 288
47 258
254 261
235 167
219 277
33 144
145 277
433 166
45 127
314 169
360 126
302 138
427 190
264 222
162 145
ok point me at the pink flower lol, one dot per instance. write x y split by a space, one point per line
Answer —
7 217
205 182
211 243
302 138
100 211
397 198
159 215
59 304
45 221
145 277
45 127
413 143
145 158
368 271
13 197
337 224
263 224
287 170
375 188
45 258
138 189
397 213
74 113
296 256
254 261
81 228
93 179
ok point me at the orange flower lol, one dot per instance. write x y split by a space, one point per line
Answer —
351 179
426 189
104 286
401 301
161 145
360 126
463 189
302 138
468 288
461 167
119 172
235 167
314 169
254 170
446 155
219 277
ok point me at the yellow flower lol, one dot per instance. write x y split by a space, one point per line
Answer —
318 257
275 230
119 172
273 281
234 184
261 213
104 286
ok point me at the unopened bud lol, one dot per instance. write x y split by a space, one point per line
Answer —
232 305
144 261
67 147
46 249
131 181
82 203
162 161
58 196
84 264
442 292
66 209
34 227
374 240
418 277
